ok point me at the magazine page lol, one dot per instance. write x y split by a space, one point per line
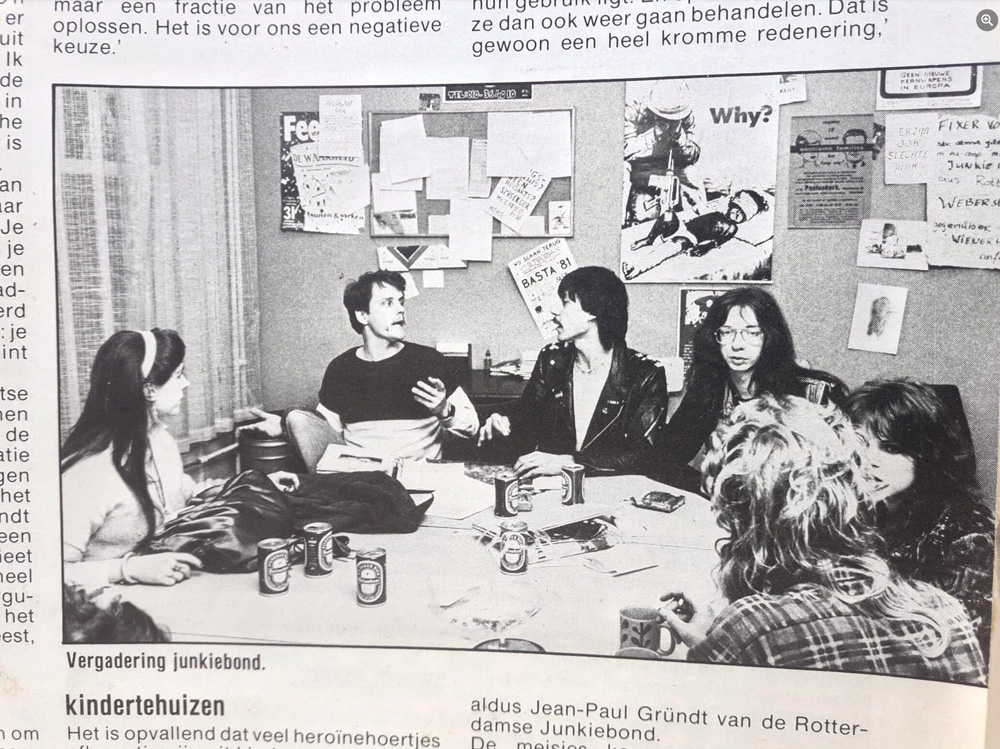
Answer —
656 339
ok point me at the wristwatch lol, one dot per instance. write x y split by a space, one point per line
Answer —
449 412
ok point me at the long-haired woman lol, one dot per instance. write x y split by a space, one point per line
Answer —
741 350
928 504
799 569
122 471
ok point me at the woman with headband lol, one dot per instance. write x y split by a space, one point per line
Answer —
122 471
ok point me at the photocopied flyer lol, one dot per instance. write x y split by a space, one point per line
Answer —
537 274
830 170
238 236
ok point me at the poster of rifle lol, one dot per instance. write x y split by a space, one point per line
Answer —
700 163
319 193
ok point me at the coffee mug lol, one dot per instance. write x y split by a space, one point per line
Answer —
638 653
640 628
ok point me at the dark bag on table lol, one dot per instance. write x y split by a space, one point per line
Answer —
223 531
361 502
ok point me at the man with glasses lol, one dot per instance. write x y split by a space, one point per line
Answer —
742 349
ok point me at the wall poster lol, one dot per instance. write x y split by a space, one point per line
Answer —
698 180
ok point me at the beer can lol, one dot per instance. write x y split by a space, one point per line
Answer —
507 489
514 547
273 565
319 549
371 577
572 480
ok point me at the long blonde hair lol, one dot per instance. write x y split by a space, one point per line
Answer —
787 480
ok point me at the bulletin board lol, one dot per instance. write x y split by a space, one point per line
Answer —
473 126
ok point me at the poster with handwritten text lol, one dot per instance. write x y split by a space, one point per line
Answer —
963 198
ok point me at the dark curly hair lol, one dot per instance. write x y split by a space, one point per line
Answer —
908 418
86 622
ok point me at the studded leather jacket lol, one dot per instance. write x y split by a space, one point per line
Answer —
624 431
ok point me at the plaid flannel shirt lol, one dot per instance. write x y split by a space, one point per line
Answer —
955 554
809 627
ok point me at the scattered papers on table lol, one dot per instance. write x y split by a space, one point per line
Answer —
456 496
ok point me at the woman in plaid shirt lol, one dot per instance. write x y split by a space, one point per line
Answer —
928 502
805 587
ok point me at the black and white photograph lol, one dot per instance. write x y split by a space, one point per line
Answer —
878 318
267 439
893 244
699 170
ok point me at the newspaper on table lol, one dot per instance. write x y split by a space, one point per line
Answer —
89 246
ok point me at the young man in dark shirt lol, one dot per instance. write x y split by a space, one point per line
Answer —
386 396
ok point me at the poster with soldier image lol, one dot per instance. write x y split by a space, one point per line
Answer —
700 162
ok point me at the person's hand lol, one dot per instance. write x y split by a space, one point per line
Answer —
168 568
689 622
541 464
271 424
432 394
494 425
287 482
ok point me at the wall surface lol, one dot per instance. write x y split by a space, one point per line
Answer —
949 332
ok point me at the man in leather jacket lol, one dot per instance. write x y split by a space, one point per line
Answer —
590 400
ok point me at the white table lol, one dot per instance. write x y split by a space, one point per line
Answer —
577 605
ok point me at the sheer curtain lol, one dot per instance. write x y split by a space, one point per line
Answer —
155 228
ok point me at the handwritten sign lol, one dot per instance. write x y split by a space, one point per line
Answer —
910 147
514 198
963 198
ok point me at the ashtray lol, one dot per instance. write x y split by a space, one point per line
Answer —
512 644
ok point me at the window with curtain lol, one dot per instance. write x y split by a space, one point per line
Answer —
155 228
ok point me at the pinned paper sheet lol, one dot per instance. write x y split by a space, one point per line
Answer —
449 257
479 181
386 199
537 274
963 197
514 198
417 257
470 229
333 194
878 318
958 86
560 218
791 88
551 144
409 185
893 244
449 176
521 142
411 290
532 226
399 259
909 147
403 149
340 126
437 225
508 134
